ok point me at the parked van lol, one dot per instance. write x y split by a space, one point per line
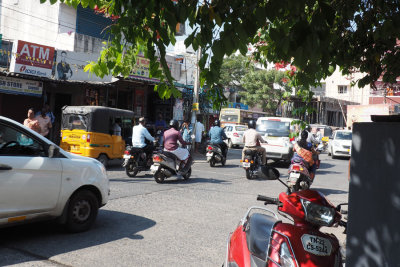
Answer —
276 131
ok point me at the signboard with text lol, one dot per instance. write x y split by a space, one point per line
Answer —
32 59
16 86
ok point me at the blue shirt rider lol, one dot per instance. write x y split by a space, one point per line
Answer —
217 137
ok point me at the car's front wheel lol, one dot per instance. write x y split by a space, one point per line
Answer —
82 211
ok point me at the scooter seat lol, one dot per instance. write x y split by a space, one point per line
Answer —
169 155
258 232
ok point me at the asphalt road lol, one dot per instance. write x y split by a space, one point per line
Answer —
178 223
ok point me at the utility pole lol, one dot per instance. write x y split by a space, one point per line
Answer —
195 95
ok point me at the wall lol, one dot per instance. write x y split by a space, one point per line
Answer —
373 233
354 94
31 21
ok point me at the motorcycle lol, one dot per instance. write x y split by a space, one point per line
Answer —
251 163
166 164
299 177
262 239
215 155
136 160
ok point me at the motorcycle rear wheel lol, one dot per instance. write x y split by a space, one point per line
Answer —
131 170
159 177
249 174
212 162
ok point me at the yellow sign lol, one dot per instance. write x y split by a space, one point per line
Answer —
195 107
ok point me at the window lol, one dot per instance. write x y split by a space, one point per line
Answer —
14 142
342 89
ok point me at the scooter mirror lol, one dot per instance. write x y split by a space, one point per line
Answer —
270 173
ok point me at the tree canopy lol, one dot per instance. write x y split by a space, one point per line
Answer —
313 35
266 89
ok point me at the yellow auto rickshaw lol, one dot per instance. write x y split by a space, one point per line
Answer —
95 131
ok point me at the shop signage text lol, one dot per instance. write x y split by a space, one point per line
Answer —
16 86
32 59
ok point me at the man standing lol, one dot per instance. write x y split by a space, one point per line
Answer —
160 125
252 140
139 134
199 129
116 127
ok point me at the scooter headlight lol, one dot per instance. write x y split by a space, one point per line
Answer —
286 258
317 214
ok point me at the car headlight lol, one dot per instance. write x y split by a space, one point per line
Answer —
318 214
286 259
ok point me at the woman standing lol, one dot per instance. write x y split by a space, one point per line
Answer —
31 122
186 135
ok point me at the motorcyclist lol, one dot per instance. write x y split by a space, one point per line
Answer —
304 150
217 135
171 138
139 135
252 140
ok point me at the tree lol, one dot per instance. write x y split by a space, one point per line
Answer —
233 70
313 35
265 88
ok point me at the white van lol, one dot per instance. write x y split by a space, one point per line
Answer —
276 131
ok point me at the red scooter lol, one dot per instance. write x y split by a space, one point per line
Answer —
261 239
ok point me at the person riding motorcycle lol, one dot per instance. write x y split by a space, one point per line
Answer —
252 140
171 138
315 140
139 135
217 135
305 151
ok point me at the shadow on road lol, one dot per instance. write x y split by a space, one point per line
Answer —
195 180
319 171
325 165
48 239
327 191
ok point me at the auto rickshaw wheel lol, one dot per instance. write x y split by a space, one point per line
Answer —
103 159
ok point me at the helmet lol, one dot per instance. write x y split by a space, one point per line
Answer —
217 123
174 124
252 124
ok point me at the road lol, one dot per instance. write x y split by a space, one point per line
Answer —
178 223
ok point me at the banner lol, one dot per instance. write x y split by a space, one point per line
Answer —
32 59
16 86
70 66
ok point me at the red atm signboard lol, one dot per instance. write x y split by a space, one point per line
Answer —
32 59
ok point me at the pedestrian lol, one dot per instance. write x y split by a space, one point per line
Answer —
186 134
44 123
199 129
160 126
31 122
50 114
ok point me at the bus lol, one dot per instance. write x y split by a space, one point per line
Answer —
238 116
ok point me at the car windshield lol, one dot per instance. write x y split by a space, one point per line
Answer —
229 118
274 128
74 121
343 136
241 128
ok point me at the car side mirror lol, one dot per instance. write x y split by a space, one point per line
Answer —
53 151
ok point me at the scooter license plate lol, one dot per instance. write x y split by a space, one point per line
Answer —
127 156
246 164
294 175
209 154
316 245
154 168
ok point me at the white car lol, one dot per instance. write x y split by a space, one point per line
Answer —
234 134
340 144
40 181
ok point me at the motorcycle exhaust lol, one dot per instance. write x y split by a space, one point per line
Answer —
167 173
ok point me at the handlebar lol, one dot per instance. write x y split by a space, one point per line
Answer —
268 200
